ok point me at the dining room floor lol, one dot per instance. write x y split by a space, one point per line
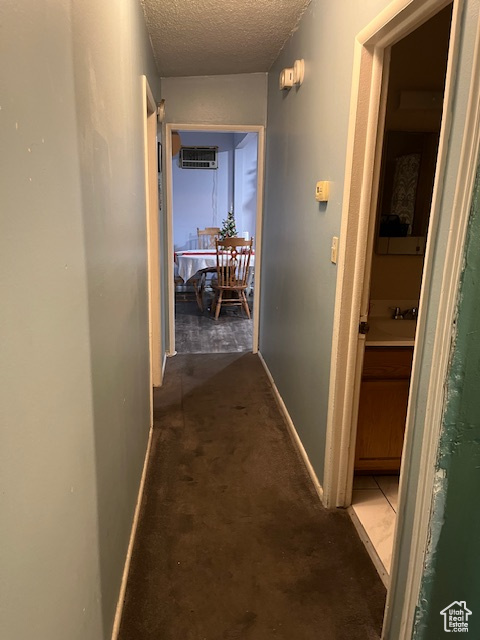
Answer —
199 332
232 539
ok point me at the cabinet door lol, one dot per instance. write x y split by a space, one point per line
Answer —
381 424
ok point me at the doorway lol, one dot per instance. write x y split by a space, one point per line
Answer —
201 203
362 180
413 96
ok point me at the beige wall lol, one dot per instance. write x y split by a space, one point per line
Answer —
74 395
396 277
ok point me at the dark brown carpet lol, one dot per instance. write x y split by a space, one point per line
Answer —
232 542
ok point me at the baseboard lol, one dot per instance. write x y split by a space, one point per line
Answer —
362 534
293 431
133 532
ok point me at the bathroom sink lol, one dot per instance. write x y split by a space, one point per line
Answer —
395 328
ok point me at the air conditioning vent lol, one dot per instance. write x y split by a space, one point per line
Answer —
198 157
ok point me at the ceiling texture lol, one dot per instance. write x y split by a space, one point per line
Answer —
213 37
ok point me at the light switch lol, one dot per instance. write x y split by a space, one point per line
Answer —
334 251
322 191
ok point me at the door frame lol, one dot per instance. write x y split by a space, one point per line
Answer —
399 19
153 238
361 184
260 131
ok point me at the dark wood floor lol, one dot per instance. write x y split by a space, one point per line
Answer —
199 332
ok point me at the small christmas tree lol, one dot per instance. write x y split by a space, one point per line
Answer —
228 230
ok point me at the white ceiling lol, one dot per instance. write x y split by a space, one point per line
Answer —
212 37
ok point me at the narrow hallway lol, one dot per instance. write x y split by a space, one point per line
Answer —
232 540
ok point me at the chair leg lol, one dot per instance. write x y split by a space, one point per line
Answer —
245 304
213 303
199 287
198 295
219 304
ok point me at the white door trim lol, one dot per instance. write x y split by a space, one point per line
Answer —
399 18
152 226
260 131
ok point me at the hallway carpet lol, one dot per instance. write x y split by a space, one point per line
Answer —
232 542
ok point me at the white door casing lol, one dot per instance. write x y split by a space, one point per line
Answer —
152 226
260 131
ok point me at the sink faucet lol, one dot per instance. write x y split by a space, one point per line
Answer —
408 314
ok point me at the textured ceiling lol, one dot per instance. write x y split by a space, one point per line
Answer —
211 37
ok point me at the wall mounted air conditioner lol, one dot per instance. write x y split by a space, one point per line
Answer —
198 158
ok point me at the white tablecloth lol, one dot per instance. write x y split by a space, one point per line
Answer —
189 262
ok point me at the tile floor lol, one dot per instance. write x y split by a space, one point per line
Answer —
374 502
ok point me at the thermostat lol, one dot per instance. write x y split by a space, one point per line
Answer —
322 191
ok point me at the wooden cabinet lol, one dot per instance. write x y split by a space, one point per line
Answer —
383 408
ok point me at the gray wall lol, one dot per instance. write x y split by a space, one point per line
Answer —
74 378
306 142
245 182
232 99
202 197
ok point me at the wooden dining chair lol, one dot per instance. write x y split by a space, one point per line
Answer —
231 281
206 237
206 240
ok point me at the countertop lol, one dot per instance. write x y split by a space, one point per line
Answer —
386 332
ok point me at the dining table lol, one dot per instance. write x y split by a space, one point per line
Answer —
193 260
